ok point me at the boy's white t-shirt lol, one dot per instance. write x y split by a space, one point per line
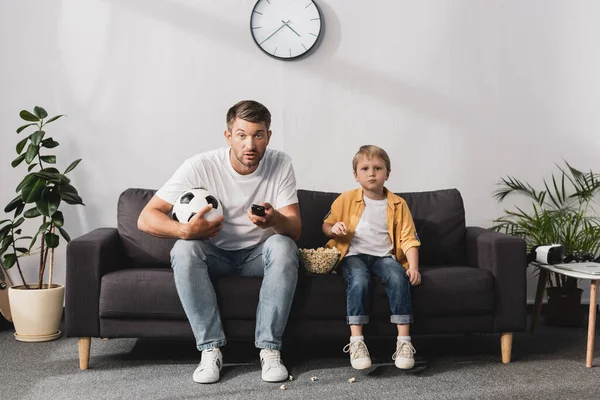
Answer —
371 235
273 182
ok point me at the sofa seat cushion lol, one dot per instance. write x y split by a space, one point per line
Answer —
150 293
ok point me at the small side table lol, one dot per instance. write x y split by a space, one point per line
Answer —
539 294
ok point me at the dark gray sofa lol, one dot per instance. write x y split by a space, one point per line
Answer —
119 283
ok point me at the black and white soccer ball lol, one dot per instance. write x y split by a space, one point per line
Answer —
192 201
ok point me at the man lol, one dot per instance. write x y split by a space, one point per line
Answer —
239 242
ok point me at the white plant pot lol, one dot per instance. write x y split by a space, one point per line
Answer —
36 313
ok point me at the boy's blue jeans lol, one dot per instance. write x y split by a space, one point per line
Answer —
195 262
357 271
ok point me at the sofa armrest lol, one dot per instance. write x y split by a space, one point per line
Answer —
505 257
89 257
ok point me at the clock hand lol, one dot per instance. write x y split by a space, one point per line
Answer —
278 29
286 24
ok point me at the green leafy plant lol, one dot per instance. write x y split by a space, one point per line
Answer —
561 213
39 196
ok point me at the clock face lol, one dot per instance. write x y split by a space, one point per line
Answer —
285 29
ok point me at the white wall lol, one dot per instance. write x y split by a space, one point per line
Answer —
459 92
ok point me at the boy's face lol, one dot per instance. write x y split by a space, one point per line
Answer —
371 173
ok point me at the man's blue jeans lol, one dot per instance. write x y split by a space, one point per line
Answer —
357 271
195 262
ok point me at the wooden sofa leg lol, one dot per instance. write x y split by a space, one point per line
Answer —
506 346
84 352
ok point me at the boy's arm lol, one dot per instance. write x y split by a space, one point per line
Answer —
414 276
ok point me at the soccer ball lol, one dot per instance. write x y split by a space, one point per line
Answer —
192 201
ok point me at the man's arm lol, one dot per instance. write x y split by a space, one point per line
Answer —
154 219
285 221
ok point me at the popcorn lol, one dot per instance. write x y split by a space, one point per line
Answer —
282 387
314 378
352 380
319 261
291 378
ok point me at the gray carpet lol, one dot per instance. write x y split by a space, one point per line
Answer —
547 365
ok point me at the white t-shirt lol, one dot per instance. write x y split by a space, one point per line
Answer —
371 235
273 182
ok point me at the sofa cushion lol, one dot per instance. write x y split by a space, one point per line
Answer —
140 246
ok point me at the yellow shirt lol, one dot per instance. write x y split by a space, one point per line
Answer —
349 206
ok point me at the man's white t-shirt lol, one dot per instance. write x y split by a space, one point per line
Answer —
273 182
371 235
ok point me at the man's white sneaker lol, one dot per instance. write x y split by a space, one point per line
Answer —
273 369
359 354
404 356
209 370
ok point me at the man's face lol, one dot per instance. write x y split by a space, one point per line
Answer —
248 141
371 173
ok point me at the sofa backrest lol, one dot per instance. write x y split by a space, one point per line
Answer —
439 218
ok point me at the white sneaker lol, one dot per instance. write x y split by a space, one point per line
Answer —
209 370
273 369
404 355
359 354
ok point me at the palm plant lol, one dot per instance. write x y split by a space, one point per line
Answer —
561 213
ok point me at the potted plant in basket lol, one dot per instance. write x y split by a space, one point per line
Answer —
36 308
561 213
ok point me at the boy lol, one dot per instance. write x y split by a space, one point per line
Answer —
375 234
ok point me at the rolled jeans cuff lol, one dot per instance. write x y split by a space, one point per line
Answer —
357 319
264 345
212 345
401 319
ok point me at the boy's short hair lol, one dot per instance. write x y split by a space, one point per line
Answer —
370 151
248 110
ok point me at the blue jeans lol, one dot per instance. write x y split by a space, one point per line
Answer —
357 271
195 262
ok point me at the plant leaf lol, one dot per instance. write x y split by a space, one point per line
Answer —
15 163
21 128
32 190
49 201
51 240
32 151
22 249
64 234
36 137
49 143
72 166
9 260
27 116
58 219
18 222
49 159
14 203
32 166
40 112
32 213
21 144
54 118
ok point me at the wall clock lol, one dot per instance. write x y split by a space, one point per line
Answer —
286 29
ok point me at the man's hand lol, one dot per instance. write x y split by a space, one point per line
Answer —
268 220
414 276
338 229
199 228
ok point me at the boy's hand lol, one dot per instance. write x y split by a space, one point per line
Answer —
339 229
414 276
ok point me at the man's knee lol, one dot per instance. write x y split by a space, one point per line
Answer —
185 249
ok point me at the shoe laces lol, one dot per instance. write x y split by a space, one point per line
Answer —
270 358
357 349
210 358
404 350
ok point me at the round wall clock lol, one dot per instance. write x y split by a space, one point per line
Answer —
285 29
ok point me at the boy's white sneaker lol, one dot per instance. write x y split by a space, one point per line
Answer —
359 354
273 369
404 356
209 369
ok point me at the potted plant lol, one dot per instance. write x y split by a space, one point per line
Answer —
36 308
561 213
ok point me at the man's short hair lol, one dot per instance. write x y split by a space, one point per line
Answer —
249 110
369 151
